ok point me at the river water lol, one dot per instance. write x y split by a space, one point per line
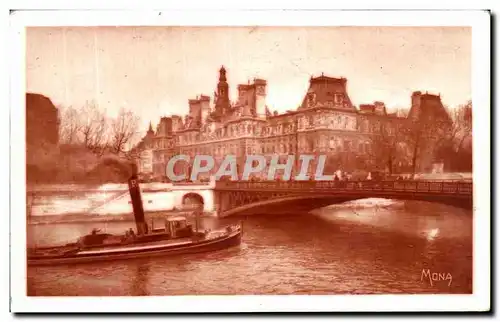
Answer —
364 247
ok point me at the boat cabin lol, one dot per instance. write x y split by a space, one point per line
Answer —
171 228
175 226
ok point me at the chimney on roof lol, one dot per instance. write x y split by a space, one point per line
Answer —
343 81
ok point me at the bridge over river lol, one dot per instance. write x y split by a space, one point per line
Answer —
238 198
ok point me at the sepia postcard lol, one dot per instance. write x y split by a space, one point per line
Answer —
219 161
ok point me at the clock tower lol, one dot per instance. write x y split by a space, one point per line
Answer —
222 94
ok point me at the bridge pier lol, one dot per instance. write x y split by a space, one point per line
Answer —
222 201
204 191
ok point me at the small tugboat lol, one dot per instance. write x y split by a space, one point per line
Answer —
175 237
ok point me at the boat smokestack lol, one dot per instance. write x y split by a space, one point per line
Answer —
135 196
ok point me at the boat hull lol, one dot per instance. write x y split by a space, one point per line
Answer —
229 240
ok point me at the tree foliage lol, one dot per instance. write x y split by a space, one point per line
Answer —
123 130
70 125
386 144
91 128
456 147
94 127
412 141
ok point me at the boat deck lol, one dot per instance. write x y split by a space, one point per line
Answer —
136 246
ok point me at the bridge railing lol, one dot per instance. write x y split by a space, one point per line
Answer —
191 183
438 187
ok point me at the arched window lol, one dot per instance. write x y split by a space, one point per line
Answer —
322 141
310 144
331 144
339 99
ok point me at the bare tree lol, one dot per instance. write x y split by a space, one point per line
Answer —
123 130
93 127
461 128
386 142
424 134
70 125
454 149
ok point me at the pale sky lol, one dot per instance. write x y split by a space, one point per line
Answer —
155 70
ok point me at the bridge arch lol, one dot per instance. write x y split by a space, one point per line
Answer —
306 203
193 199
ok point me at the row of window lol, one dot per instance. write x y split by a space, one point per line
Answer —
305 145
337 99
236 130
282 129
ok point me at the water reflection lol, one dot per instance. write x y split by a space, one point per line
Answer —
360 248
139 282
423 219
433 233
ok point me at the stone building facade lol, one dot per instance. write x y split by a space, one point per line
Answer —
42 120
326 122
42 137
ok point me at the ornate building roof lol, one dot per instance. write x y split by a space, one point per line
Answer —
428 106
327 91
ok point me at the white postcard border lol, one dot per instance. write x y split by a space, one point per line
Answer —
479 20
